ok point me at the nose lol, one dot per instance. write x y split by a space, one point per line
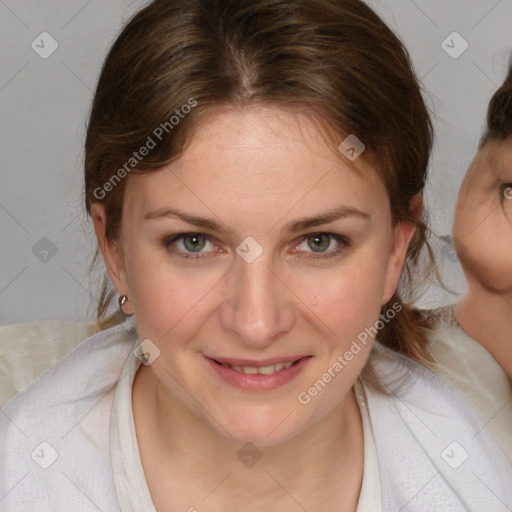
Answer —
257 309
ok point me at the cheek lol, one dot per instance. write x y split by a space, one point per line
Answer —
487 255
347 299
483 239
475 213
168 297
174 301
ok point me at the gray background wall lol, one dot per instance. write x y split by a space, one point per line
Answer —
46 241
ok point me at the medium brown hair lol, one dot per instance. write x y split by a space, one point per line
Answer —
335 58
499 112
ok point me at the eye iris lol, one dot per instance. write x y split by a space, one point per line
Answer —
321 241
198 242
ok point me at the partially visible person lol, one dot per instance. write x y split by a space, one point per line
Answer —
473 340
281 126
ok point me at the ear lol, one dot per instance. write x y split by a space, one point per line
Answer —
403 232
112 253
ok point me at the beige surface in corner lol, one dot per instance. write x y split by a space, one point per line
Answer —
28 349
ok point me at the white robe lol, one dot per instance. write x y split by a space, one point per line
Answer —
62 422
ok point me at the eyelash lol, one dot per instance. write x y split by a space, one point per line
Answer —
344 241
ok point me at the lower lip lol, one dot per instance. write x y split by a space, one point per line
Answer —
257 382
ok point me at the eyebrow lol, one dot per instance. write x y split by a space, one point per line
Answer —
341 212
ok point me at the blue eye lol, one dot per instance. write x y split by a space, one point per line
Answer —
322 242
193 242
192 245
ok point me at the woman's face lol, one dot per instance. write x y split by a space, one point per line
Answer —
482 228
260 245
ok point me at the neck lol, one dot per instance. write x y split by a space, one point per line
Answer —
487 318
320 465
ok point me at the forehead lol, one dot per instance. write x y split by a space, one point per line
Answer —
260 157
493 160
261 133
500 153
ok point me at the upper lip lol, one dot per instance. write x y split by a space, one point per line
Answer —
257 364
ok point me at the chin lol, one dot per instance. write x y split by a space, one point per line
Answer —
261 439
270 428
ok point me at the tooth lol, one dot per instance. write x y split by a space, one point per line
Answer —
263 370
266 370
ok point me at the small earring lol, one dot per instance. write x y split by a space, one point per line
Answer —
122 300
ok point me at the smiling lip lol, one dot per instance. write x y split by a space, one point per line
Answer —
258 382
257 364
